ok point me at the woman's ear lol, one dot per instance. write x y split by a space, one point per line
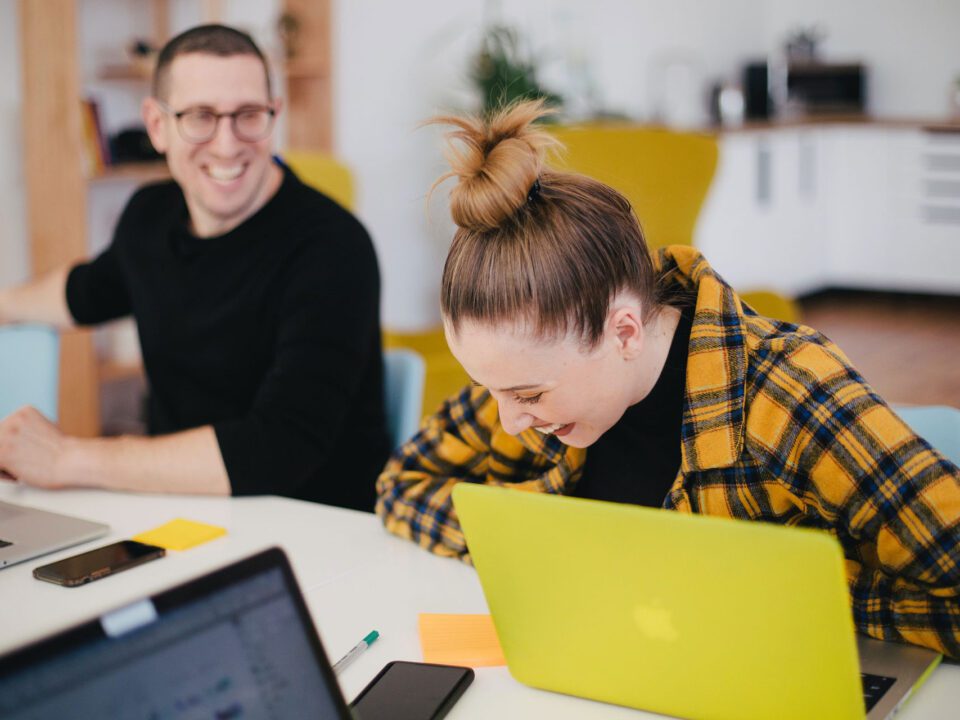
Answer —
626 327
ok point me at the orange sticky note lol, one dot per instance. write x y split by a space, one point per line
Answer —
180 534
469 640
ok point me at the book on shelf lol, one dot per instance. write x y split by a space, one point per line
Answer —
95 148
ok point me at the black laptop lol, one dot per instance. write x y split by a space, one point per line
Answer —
237 643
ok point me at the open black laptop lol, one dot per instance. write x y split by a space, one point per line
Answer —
237 643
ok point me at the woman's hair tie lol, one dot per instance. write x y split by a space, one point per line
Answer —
534 191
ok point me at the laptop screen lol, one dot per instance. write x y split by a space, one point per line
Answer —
235 644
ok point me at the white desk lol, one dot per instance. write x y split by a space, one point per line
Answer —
354 576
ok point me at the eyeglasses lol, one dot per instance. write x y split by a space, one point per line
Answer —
199 125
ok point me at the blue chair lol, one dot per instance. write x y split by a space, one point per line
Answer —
404 372
939 425
29 369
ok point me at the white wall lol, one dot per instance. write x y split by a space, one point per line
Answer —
14 261
627 46
912 49
396 64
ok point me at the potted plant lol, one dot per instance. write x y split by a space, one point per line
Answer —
503 75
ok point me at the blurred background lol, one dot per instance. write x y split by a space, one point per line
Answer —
810 149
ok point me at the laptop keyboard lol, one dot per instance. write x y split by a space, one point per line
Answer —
874 687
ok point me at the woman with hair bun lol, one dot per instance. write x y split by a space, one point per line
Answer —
604 372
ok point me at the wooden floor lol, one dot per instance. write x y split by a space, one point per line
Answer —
906 346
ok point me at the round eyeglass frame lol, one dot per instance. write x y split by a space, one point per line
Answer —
177 116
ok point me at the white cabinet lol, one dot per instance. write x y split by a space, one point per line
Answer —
856 205
927 197
800 209
762 224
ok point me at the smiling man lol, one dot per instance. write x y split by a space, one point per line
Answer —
256 300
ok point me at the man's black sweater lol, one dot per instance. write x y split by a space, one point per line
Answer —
270 333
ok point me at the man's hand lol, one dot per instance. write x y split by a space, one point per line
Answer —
32 449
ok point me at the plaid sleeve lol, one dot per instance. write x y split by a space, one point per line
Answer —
892 500
463 442
906 515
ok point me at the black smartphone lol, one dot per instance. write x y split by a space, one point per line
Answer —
95 564
412 691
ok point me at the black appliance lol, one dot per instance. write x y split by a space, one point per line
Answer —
757 103
818 88
812 88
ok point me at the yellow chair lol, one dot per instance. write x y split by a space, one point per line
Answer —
665 175
324 173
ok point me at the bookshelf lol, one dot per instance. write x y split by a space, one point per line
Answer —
58 176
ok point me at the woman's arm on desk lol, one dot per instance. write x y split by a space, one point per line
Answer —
35 452
463 442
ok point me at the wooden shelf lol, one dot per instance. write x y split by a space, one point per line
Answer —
140 172
111 370
128 73
306 68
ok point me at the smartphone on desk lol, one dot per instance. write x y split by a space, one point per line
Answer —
95 564
412 691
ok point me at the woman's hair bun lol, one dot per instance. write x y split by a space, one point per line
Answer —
496 160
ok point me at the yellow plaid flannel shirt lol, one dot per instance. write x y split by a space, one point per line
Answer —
777 426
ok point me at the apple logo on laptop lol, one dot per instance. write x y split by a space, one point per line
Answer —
655 621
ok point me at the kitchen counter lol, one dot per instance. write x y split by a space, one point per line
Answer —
930 124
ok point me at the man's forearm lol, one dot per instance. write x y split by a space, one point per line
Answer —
185 462
43 300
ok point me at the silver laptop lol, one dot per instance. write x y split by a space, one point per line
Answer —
890 673
27 532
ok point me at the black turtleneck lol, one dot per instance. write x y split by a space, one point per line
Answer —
637 460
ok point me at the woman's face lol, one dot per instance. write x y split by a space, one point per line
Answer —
555 386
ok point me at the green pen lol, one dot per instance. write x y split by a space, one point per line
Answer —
343 662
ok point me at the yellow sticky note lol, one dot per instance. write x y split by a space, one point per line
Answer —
469 640
180 534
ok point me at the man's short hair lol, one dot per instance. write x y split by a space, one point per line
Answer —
209 40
